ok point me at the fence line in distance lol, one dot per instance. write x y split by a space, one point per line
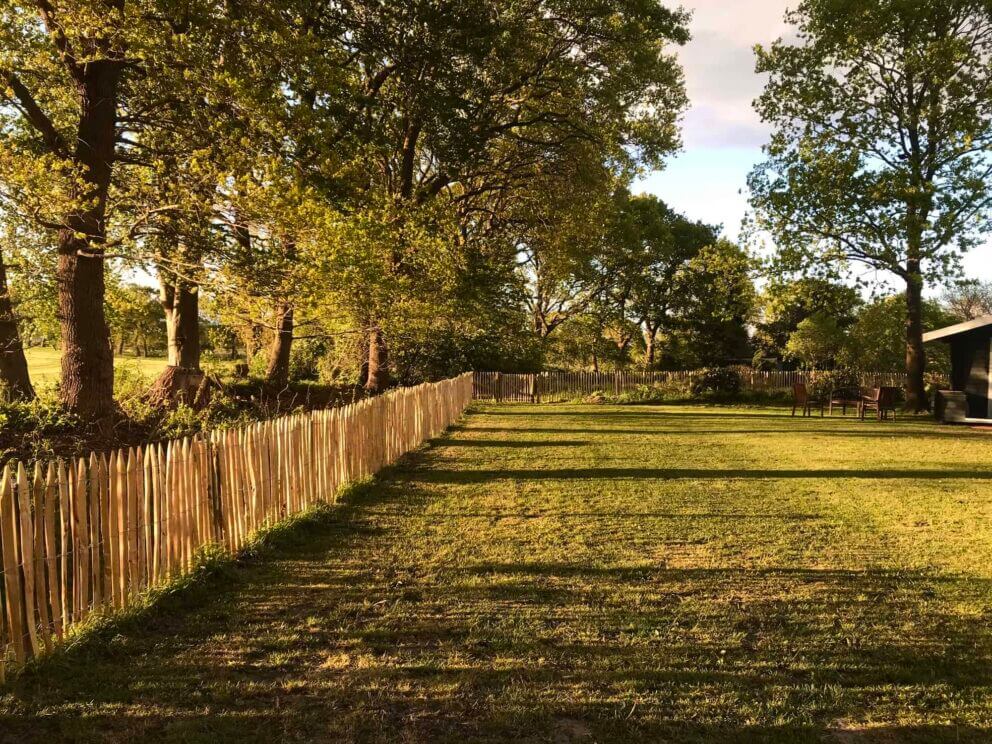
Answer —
557 386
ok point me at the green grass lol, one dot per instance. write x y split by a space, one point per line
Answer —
584 573
44 365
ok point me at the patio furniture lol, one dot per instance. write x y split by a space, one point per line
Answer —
881 400
845 398
802 400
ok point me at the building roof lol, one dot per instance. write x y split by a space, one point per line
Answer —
956 330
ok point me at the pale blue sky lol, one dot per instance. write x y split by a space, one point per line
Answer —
722 134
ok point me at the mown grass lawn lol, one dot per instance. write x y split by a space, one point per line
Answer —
45 364
570 573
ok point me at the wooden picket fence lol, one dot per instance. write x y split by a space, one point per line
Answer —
90 535
555 387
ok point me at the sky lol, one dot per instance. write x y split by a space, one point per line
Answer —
722 134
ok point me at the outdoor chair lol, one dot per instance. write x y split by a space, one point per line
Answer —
846 398
803 400
881 400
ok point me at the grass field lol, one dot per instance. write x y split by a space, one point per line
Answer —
44 364
581 574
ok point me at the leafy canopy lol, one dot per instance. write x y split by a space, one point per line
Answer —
882 116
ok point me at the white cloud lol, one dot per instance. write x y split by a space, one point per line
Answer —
722 133
719 70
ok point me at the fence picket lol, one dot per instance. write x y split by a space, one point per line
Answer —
90 534
14 597
40 557
52 550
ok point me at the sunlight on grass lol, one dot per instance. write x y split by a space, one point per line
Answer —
588 573
44 365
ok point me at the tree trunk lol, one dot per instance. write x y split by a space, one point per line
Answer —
282 345
623 344
378 378
650 337
181 380
251 339
87 384
916 359
181 303
13 365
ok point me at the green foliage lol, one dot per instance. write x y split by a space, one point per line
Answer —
858 167
222 412
877 341
825 382
40 416
305 361
585 342
130 386
716 380
258 364
451 346
816 342
712 306
882 120
378 168
135 316
669 391
786 302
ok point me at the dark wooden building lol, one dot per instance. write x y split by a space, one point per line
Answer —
971 363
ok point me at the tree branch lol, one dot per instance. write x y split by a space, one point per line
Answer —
53 140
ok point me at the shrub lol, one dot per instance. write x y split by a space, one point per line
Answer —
221 412
716 380
669 391
259 364
37 417
825 382
36 428
130 386
642 394
306 360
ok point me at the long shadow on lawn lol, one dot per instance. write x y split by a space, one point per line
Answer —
689 430
615 515
646 413
332 638
513 444
702 416
565 474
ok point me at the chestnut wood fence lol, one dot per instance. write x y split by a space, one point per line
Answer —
555 387
90 535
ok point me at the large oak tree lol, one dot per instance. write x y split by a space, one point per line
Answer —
882 116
